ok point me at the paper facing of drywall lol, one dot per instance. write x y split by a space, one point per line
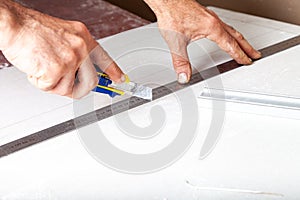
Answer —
254 150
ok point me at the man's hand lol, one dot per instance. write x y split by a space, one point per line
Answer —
183 21
51 51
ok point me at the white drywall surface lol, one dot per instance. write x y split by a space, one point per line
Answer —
256 157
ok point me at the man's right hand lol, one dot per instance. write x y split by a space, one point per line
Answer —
51 51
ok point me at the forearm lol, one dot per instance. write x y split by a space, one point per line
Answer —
157 5
10 22
163 7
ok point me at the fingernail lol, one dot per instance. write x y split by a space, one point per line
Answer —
259 54
182 78
123 78
249 62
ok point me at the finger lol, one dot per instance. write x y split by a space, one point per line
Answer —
87 79
182 68
115 73
237 47
227 43
178 46
243 43
65 85
101 58
32 80
42 84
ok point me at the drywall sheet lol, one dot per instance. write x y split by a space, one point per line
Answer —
143 54
255 156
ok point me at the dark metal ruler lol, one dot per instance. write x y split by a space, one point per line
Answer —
133 102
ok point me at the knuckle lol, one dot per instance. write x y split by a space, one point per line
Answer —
239 36
81 33
213 21
214 27
180 63
42 83
47 87
237 55
80 27
79 42
231 46
69 58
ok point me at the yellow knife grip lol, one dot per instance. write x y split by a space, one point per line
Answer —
112 89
